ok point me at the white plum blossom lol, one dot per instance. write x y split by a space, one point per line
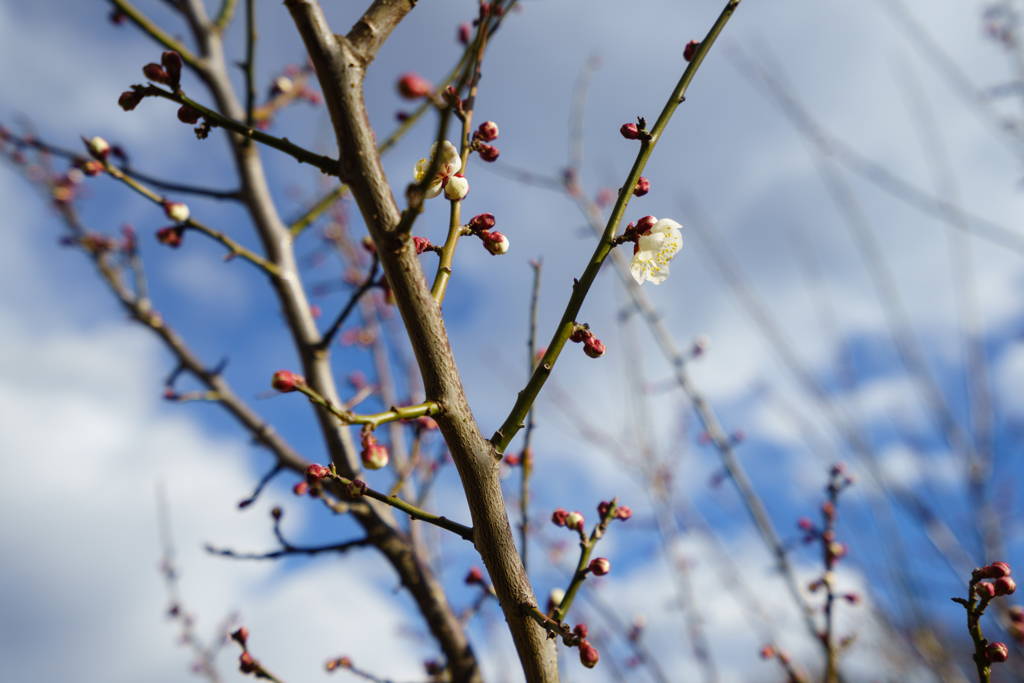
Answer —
654 251
448 178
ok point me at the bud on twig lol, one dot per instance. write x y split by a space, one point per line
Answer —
588 655
286 381
129 99
690 50
494 242
464 33
176 211
98 147
187 114
412 86
997 652
643 186
558 517
315 473
488 131
374 455
172 64
171 236
630 132
475 576
241 636
574 521
483 221
487 152
600 567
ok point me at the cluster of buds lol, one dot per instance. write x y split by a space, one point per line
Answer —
246 663
480 225
167 72
487 132
173 235
622 512
571 520
374 455
592 346
286 381
1000 583
636 131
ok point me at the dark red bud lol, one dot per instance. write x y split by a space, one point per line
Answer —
172 66
246 664
129 99
643 186
483 221
315 473
187 114
691 49
558 517
422 244
997 652
488 152
1005 586
241 636
171 236
286 381
464 33
630 132
155 73
588 655
580 631
487 131
996 570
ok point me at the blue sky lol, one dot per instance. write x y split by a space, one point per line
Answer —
86 435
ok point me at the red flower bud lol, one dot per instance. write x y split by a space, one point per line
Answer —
588 655
172 66
488 152
129 99
643 186
997 652
300 489
512 460
623 512
487 131
600 566
630 131
1005 586
170 236
691 49
155 73
996 570
580 631
412 86
483 221
240 636
286 381
464 32
986 591
603 507
355 488
767 652
315 473
187 114
593 347
558 517
246 664
474 576
422 244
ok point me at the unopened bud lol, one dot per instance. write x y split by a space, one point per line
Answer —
574 520
241 636
451 97
483 221
767 652
300 489
986 591
276 513
422 244
559 516
315 473
98 147
593 347
374 455
852 598
187 114
155 73
129 99
603 507
464 33
488 152
580 631
286 381
356 488
494 242
996 570
171 236
172 63
588 655
177 211
412 86
997 652
487 131
475 576
600 566
1005 586
246 664
630 132
555 598
623 512
691 49
643 186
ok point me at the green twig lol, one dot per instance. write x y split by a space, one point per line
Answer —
528 395
582 567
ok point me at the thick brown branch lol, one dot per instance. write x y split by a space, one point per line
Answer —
373 28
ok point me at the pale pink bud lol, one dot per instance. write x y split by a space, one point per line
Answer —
494 242
643 186
623 512
630 131
374 455
691 49
286 381
574 520
600 566
98 147
588 655
176 211
412 86
487 131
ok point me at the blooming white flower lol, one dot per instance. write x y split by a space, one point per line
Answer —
448 178
654 251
